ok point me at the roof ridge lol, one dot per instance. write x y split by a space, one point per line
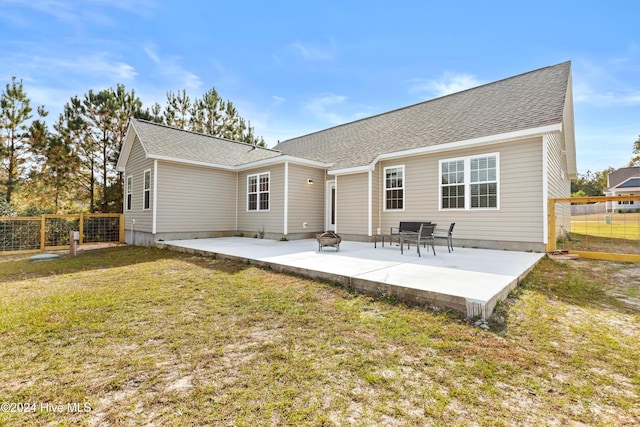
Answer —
430 100
203 134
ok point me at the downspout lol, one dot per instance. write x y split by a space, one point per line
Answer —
237 188
369 203
155 197
286 198
545 190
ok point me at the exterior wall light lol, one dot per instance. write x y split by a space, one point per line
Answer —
309 181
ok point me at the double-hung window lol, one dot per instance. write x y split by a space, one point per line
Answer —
394 188
258 192
147 190
470 182
129 192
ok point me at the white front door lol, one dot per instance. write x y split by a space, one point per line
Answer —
330 214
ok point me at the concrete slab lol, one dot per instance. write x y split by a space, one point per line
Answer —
468 280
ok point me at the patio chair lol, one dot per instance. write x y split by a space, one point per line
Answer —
424 236
448 236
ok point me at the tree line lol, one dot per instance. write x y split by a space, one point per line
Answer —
595 183
70 166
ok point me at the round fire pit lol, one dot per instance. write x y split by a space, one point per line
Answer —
328 238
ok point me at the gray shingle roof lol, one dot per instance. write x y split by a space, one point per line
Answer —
526 101
620 175
631 183
165 141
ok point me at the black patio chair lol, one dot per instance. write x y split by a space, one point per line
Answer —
448 236
424 236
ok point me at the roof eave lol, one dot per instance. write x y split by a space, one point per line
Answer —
484 140
282 159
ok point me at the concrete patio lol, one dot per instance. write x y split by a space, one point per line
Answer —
468 280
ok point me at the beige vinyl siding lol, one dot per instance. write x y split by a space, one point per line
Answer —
135 167
520 217
352 198
271 221
306 201
195 199
376 201
558 182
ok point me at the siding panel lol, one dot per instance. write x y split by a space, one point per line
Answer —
520 217
193 199
271 221
306 201
352 211
135 167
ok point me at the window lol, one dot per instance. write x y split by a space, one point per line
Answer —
452 182
129 189
484 183
469 182
394 188
258 192
147 189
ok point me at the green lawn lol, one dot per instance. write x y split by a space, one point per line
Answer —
138 336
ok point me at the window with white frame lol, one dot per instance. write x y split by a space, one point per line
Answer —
452 184
147 190
258 192
484 182
129 192
394 188
470 182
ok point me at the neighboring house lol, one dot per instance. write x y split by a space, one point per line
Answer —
486 158
623 182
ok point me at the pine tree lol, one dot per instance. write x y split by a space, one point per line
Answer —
15 113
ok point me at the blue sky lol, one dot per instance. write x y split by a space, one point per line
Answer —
294 67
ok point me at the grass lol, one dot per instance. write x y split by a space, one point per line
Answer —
148 337
621 235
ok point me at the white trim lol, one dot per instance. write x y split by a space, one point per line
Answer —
328 202
191 162
385 189
369 204
467 182
485 140
246 166
286 197
258 175
282 159
545 190
155 197
237 195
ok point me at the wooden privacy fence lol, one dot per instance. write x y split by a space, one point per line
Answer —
50 232
596 227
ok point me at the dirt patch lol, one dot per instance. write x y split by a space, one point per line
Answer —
622 280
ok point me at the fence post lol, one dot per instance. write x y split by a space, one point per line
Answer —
81 241
43 224
551 238
121 228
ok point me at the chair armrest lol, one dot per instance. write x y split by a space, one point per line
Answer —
413 235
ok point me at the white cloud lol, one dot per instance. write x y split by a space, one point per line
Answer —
447 84
170 68
277 100
610 82
78 13
314 53
320 107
